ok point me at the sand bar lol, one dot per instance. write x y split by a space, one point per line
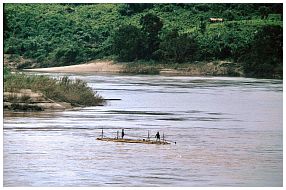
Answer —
97 66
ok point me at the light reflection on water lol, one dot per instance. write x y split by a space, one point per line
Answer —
228 133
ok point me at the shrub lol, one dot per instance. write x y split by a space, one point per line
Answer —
128 43
141 68
265 56
6 71
75 92
178 47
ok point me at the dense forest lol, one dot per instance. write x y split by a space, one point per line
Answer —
65 34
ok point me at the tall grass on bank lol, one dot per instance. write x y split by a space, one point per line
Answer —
64 89
141 68
215 68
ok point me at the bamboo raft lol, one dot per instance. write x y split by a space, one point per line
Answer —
143 141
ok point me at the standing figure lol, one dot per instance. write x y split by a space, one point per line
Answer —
157 136
122 133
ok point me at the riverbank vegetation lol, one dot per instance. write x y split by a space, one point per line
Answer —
64 34
76 92
207 68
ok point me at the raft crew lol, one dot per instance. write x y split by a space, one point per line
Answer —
116 139
157 136
122 133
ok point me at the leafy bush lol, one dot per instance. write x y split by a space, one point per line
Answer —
6 71
178 47
141 68
132 8
265 56
128 43
75 92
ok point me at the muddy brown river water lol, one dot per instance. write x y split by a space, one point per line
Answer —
228 131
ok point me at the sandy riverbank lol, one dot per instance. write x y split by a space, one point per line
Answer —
96 66
219 68
26 100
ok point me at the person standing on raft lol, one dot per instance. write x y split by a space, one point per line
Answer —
157 136
122 133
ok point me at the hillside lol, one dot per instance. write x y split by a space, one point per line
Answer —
66 34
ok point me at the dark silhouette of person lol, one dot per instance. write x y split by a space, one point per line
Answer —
122 133
157 136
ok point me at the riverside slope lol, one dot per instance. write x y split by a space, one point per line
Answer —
26 100
216 68
98 66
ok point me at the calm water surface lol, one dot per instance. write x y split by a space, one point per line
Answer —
228 133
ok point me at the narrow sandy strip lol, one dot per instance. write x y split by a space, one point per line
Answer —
100 66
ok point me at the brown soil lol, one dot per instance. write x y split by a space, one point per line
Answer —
97 66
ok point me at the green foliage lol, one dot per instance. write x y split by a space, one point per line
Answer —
265 56
6 71
177 47
46 31
132 8
229 15
151 26
202 26
128 43
141 68
64 34
5 26
264 11
67 55
75 92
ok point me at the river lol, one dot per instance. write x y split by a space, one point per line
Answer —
228 132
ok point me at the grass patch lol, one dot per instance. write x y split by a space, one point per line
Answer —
142 68
216 68
64 89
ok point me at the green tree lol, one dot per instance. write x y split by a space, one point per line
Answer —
139 7
203 7
127 43
151 26
229 15
264 11
202 25
132 8
177 47
5 24
68 54
265 56
6 72
278 9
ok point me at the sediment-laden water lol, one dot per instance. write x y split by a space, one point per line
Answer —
228 132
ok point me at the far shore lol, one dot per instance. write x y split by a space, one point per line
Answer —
219 68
